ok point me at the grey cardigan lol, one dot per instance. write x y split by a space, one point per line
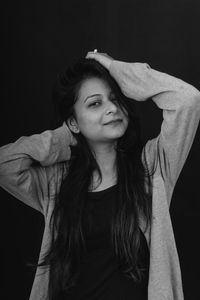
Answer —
37 185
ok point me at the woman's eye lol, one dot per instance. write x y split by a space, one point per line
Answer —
95 103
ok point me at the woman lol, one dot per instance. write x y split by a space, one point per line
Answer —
105 196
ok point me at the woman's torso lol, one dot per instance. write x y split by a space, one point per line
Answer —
100 274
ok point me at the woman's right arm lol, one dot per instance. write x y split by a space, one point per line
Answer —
31 168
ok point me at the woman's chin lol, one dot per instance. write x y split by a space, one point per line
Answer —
114 135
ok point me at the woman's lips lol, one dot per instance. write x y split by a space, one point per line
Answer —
113 121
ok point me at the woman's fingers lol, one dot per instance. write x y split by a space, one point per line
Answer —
73 140
102 58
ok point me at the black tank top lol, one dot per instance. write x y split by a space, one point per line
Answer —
100 275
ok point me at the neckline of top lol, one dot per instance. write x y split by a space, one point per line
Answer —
102 191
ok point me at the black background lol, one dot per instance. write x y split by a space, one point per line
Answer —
40 38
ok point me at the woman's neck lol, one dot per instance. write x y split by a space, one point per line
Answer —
106 159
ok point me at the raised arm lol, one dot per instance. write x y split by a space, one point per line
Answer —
32 167
180 103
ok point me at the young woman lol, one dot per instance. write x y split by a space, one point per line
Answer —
104 195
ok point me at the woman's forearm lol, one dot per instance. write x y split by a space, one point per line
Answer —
47 148
30 182
140 82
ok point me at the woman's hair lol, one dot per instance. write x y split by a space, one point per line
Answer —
133 184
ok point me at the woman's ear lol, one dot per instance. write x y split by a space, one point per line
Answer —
72 124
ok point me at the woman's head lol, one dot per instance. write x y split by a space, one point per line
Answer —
97 114
91 102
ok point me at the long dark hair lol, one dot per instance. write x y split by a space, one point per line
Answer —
133 183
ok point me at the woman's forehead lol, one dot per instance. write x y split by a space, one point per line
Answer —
93 85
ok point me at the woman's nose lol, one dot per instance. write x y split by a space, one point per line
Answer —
111 108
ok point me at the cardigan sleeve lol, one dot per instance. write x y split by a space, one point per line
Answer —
31 167
180 103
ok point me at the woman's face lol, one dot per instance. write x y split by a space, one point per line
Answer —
98 116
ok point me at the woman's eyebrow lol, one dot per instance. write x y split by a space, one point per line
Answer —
91 96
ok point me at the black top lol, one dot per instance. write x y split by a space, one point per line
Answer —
100 275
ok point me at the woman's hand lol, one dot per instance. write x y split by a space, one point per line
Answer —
133 78
73 141
103 58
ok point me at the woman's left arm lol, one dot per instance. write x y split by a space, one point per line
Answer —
180 103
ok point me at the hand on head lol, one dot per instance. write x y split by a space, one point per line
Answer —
102 58
73 141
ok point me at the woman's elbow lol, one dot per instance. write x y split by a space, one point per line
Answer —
192 97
